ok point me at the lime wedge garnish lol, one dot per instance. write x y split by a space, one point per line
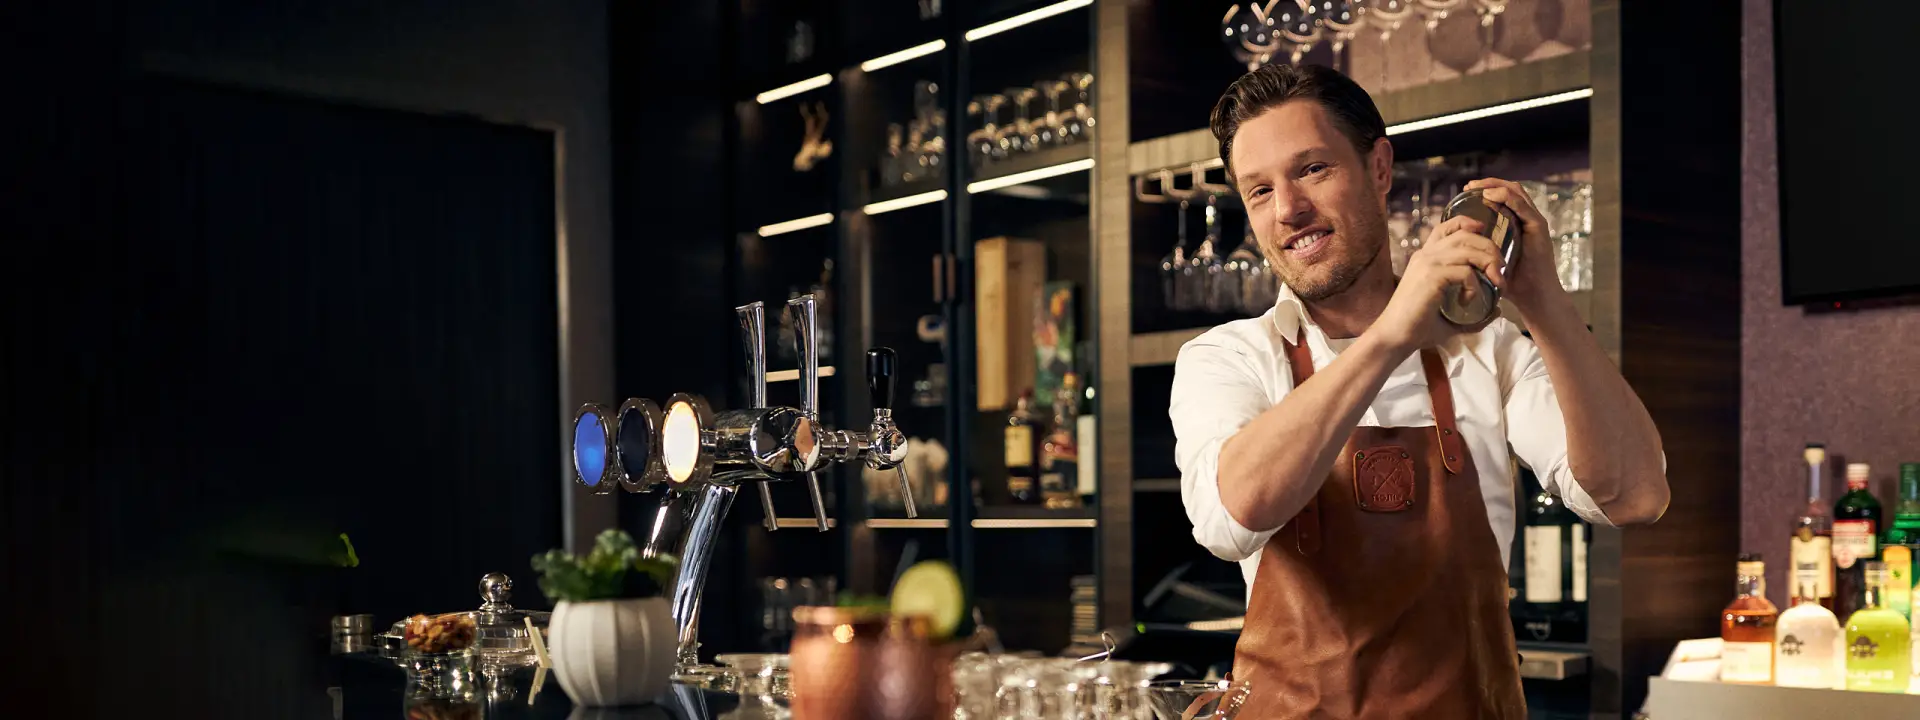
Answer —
931 588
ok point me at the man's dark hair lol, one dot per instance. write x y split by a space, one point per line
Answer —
1256 92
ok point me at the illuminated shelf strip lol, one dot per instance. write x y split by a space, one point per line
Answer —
1030 176
1006 523
792 225
995 28
905 202
907 523
895 58
805 522
813 83
1460 117
786 375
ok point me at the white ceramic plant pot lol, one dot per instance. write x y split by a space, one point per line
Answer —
613 652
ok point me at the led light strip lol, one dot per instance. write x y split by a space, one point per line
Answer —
785 375
792 225
1011 523
904 202
813 83
906 523
903 55
1021 178
1460 117
1031 16
805 522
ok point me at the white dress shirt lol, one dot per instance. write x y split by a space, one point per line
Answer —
1501 393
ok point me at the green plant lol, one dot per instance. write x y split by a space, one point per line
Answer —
613 570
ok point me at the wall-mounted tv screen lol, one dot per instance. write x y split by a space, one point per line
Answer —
1849 149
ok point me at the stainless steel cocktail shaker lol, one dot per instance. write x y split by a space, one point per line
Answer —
1471 306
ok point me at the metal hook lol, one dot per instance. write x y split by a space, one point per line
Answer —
1199 172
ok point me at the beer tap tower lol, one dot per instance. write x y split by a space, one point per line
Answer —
702 458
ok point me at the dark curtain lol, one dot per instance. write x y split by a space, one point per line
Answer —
313 319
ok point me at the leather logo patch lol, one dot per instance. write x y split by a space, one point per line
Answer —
1383 479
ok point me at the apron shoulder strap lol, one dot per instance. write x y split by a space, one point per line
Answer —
1306 524
1446 425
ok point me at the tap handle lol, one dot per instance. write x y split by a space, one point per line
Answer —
819 503
805 344
753 321
906 491
881 364
769 520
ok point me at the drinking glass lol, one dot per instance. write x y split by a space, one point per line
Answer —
984 141
1052 124
1173 266
1019 137
890 167
1574 238
1232 287
1079 121
1196 700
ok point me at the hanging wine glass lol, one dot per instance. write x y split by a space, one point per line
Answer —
1297 28
1201 263
1232 288
1173 267
1435 11
1489 10
1386 17
1217 296
1248 31
1344 18
1259 286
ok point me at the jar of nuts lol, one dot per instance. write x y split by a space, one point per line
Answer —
431 635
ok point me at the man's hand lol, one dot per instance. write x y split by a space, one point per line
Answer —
1535 282
1453 254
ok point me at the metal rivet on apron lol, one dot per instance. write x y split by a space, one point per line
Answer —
1359 456
1444 431
1451 458
1409 502
1404 455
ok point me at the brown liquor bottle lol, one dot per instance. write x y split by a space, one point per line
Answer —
1746 628
1023 452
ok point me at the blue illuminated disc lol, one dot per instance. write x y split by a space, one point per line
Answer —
589 448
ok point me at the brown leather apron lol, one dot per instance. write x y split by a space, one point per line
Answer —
1386 597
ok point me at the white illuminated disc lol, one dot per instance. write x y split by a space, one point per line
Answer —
680 441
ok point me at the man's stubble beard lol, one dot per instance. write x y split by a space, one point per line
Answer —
1370 230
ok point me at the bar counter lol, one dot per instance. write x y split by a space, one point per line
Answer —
370 686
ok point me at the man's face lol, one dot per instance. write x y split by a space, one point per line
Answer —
1317 207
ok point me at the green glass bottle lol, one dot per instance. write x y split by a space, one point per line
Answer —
1901 540
1878 643
1856 539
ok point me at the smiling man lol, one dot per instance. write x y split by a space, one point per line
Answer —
1352 450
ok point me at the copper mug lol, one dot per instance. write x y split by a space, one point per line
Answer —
861 664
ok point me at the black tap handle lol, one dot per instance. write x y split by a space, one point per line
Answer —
880 370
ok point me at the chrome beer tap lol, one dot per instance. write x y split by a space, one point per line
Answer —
703 457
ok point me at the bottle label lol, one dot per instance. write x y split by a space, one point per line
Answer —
1812 565
1019 446
1746 662
1543 564
1899 588
1852 542
1580 563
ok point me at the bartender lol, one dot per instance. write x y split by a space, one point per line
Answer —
1350 448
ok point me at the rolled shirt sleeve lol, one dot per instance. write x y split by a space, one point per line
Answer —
1535 426
1216 391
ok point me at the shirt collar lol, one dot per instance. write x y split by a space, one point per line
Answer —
1290 320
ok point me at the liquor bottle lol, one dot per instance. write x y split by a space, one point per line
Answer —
1807 642
1086 436
1059 455
1747 628
1023 450
1878 640
1554 570
1856 532
1811 545
1900 541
